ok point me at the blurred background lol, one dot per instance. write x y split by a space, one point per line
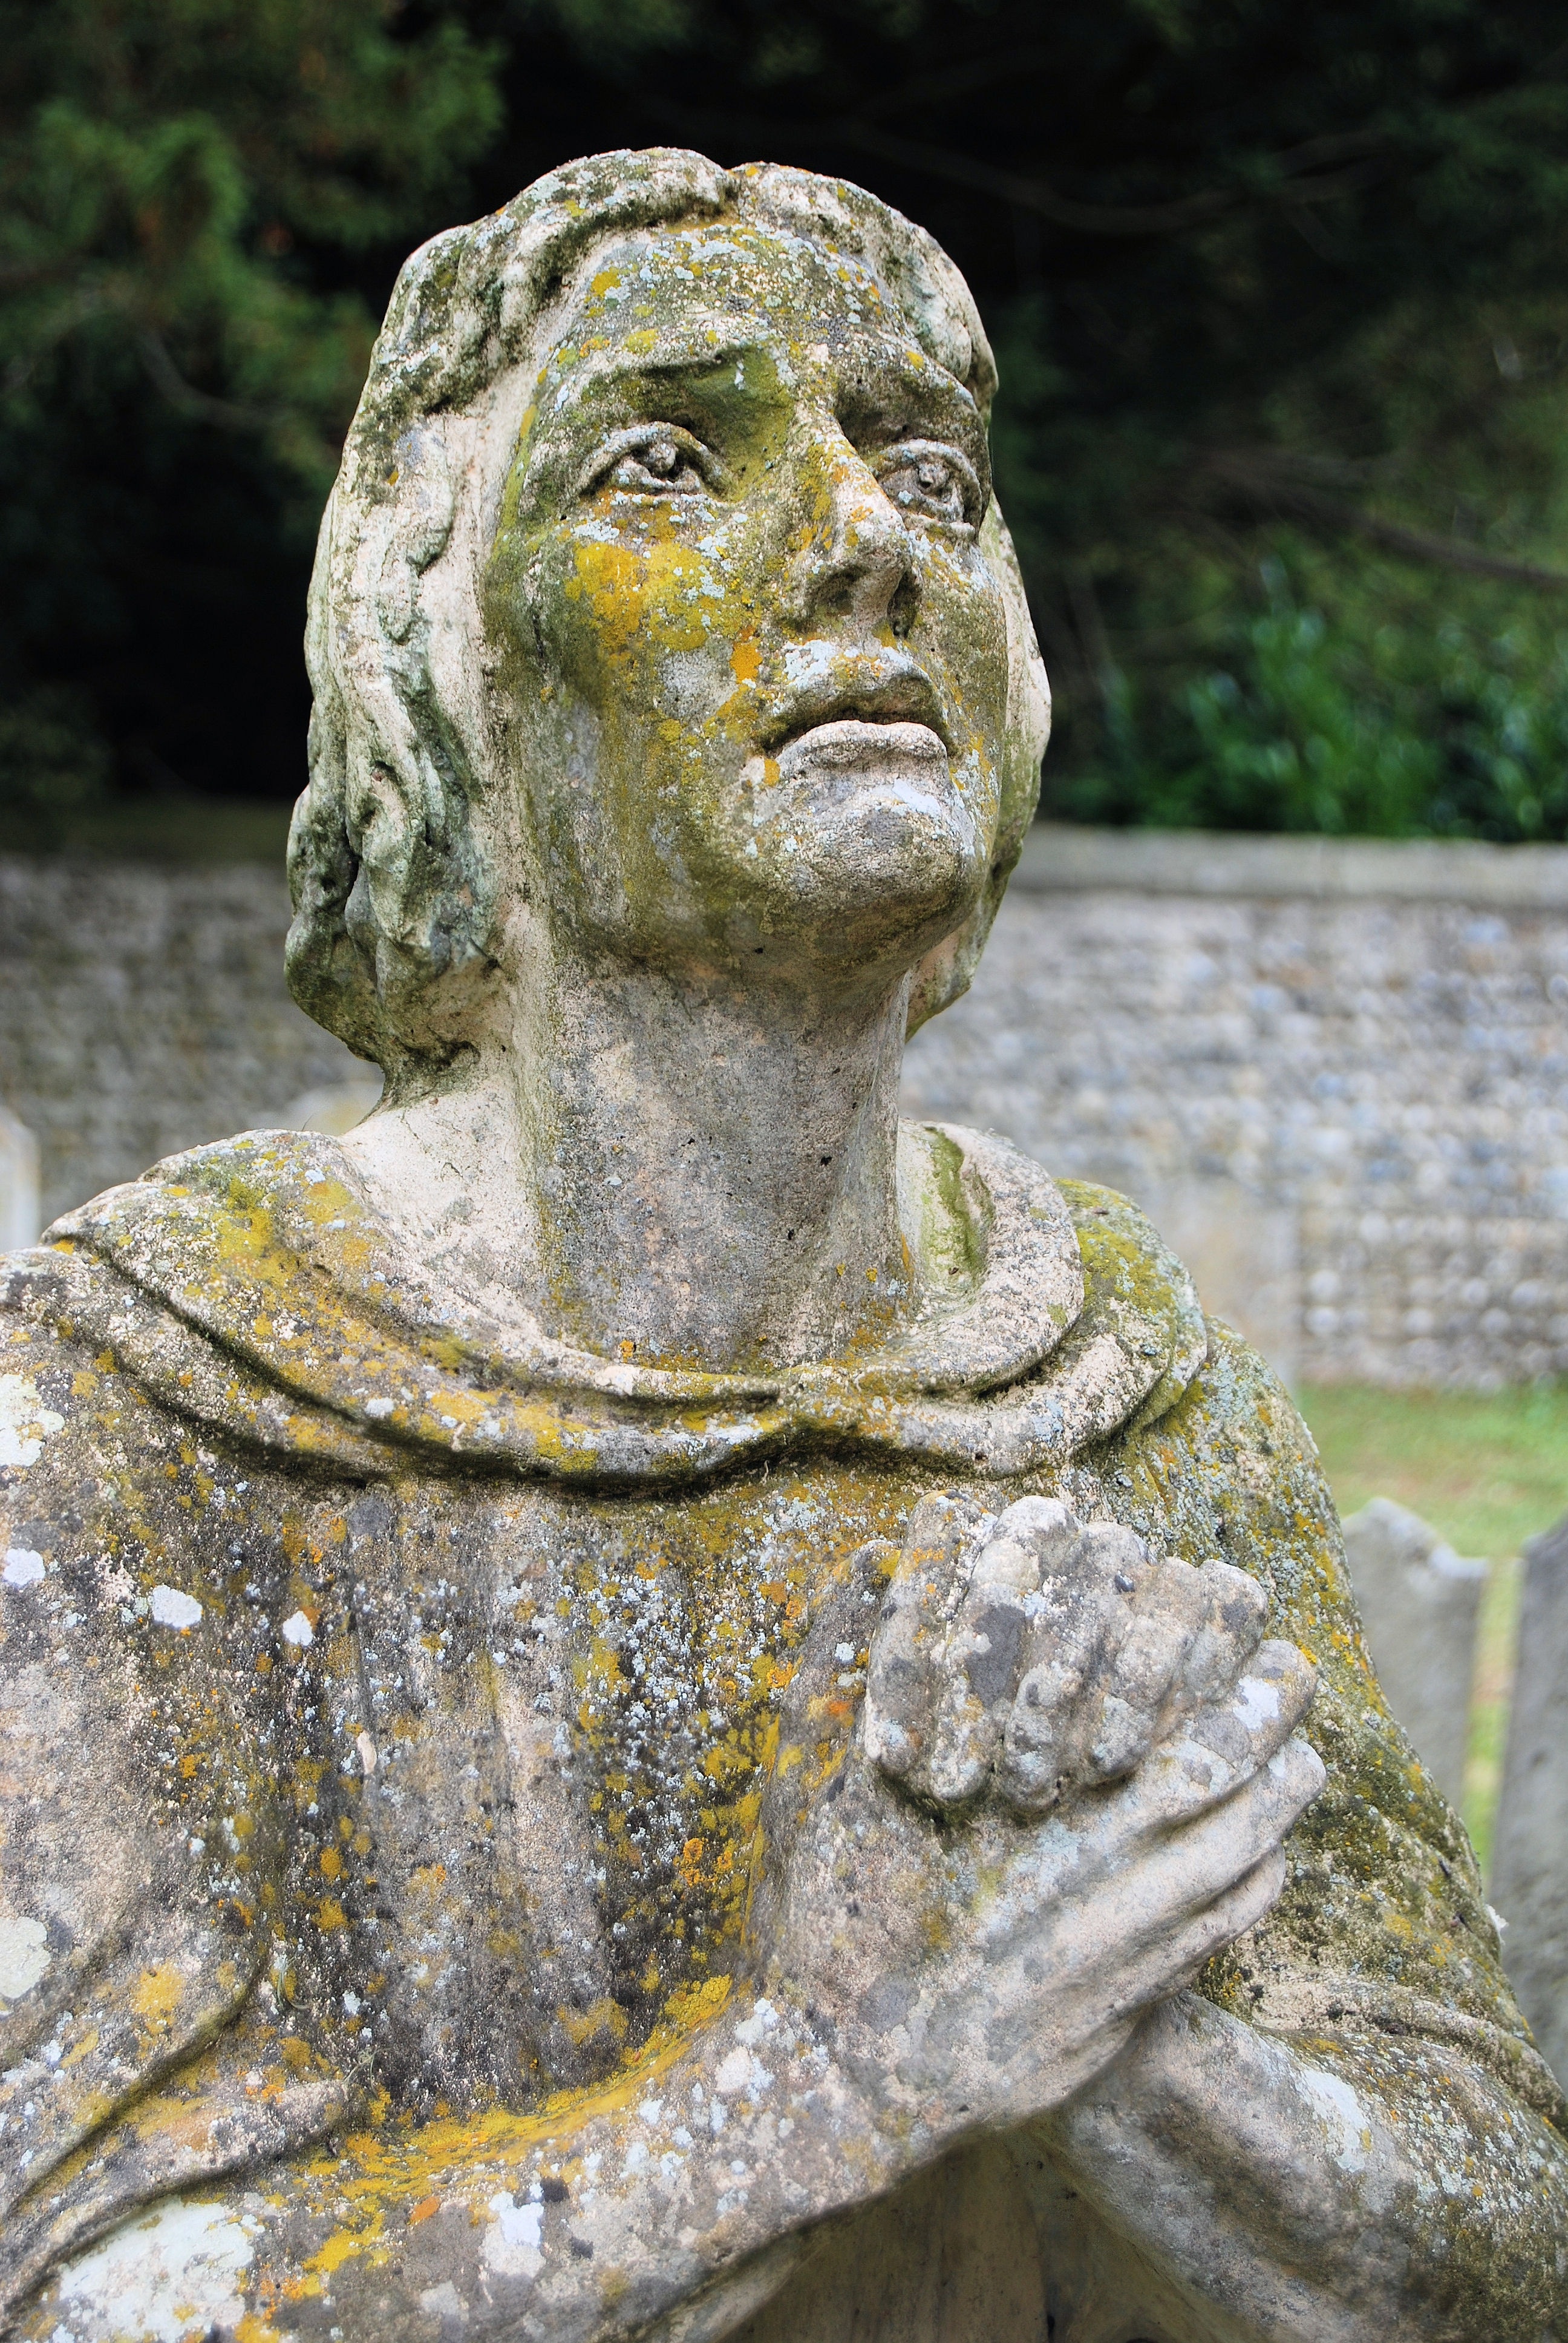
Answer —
1280 298
1278 293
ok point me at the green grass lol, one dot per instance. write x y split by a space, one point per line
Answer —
1487 1471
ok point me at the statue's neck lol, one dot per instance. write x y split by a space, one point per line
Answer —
668 1169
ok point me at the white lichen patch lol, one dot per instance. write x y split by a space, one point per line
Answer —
298 1630
1257 1702
24 1567
172 1607
733 2073
1342 2116
25 1422
24 1957
512 2246
161 2279
444 2302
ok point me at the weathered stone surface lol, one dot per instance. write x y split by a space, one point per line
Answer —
1419 1602
633 1672
1531 1865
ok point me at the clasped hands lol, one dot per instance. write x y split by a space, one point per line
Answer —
1031 1779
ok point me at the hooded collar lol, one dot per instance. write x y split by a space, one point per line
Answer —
254 1290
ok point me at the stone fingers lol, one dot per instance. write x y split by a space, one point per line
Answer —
1171 1959
1236 1768
1229 1632
1145 1643
1221 1845
1171 1895
1202 1754
1030 1655
905 1675
1191 1634
962 1620
1078 1622
1151 1939
989 1645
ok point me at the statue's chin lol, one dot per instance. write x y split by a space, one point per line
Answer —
897 858
862 830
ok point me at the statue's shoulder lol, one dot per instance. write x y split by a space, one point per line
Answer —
1383 1911
1124 1253
1226 1469
55 1307
99 1476
1228 1440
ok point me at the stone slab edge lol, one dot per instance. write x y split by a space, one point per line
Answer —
1063 858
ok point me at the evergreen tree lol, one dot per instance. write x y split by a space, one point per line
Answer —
187 188
1279 296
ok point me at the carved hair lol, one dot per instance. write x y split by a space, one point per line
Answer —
395 899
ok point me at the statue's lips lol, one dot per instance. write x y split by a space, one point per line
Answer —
854 745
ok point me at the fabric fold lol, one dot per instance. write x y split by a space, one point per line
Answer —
254 1290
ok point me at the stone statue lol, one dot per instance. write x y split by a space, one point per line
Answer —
639 1702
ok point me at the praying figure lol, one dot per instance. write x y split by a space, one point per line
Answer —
639 1701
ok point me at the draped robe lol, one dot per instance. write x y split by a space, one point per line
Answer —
390 1694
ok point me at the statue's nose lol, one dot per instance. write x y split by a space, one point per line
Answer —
852 557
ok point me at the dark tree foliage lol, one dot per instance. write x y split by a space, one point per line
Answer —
195 196
1279 294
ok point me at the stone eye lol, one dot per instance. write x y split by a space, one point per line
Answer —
656 462
933 482
662 458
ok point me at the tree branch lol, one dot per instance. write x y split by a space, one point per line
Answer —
949 82
1266 483
1027 192
15 276
166 379
1035 195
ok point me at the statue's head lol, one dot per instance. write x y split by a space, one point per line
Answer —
662 605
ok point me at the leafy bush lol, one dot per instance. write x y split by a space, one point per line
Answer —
1310 721
188 188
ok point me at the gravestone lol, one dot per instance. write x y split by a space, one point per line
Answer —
19 1220
1420 1602
1530 1869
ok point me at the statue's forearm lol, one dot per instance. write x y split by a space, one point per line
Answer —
1345 2190
669 2202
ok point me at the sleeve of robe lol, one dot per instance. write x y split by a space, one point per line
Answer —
1380 1963
142 1826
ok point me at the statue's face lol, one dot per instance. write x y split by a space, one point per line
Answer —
755 659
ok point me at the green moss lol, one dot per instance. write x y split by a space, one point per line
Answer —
1383 1890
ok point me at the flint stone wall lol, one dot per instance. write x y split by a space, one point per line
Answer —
143 1010
1336 1072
